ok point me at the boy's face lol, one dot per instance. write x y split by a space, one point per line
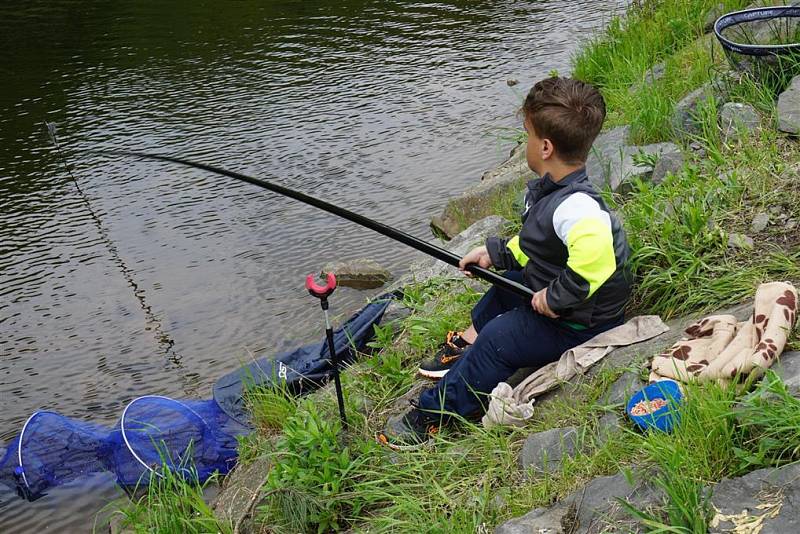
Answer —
538 150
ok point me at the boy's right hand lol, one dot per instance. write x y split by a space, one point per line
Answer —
477 255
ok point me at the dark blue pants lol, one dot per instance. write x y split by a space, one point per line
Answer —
511 335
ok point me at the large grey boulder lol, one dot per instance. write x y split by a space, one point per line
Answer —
737 119
767 497
612 161
479 201
361 273
589 510
789 108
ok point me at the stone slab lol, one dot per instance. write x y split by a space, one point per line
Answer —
789 108
544 451
766 497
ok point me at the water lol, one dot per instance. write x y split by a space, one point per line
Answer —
385 107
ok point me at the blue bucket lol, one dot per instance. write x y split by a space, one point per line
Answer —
666 417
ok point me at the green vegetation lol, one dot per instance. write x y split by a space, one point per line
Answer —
326 478
618 62
171 504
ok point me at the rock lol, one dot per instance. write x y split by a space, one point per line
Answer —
791 224
478 202
241 494
606 148
740 241
737 119
589 510
360 274
788 368
395 311
544 451
612 162
608 426
684 117
512 82
515 166
668 163
620 391
760 222
711 17
789 108
769 498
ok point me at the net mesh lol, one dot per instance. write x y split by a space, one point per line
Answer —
193 438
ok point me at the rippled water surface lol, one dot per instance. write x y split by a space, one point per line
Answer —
160 279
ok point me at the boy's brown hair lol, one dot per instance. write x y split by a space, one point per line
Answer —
569 113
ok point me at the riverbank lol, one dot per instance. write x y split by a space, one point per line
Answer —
693 161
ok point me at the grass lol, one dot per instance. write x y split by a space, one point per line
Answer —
172 505
683 262
619 61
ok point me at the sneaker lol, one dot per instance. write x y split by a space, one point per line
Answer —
408 431
441 362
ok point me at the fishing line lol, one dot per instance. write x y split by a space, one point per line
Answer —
152 322
398 235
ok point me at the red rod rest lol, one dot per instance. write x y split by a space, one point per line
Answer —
319 291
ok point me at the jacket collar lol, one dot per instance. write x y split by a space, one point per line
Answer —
545 185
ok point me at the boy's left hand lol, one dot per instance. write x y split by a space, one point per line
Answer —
539 303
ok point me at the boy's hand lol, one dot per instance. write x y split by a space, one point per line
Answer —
539 303
477 255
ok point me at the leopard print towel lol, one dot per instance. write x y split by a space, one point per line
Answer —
722 349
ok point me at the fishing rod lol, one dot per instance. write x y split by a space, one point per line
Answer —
398 235
163 339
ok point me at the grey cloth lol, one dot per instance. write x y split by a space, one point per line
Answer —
513 406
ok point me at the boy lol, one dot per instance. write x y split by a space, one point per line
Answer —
571 251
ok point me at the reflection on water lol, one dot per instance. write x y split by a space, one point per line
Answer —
384 107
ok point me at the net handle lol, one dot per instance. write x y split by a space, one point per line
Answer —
125 437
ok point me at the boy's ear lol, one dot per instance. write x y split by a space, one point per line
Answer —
548 149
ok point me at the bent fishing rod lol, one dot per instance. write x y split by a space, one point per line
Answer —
398 235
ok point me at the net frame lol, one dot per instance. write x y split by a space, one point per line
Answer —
20 467
125 436
754 15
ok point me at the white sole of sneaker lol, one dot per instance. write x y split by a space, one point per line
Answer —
432 374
